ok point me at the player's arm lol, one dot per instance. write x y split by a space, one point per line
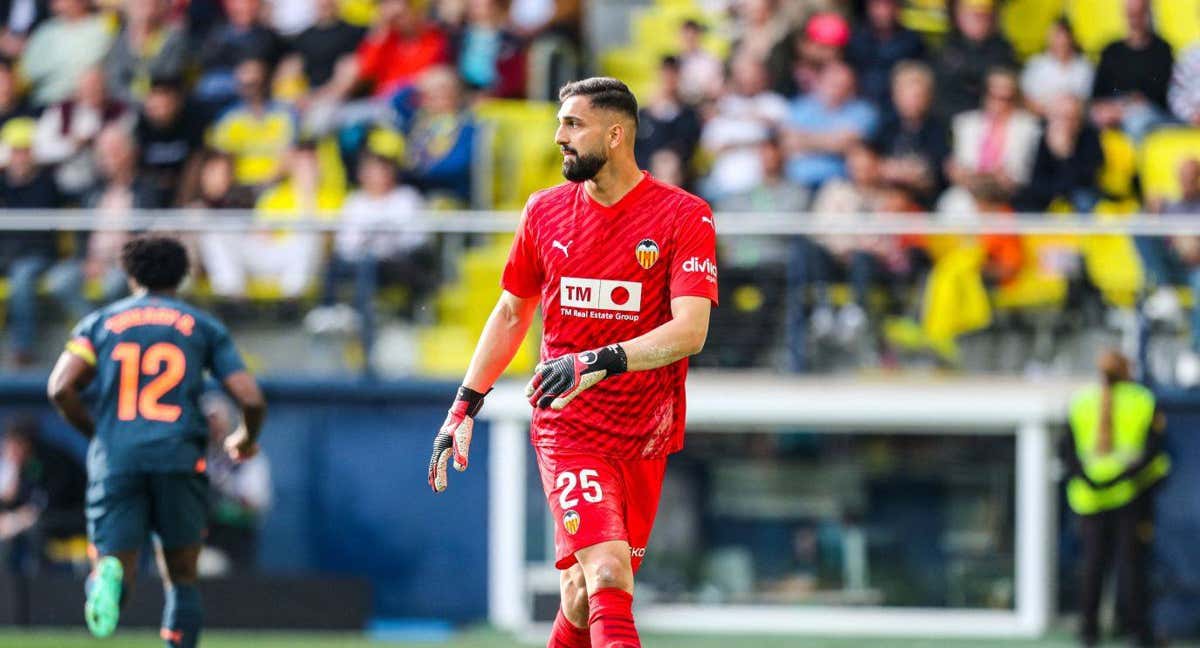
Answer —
502 336
243 442
560 380
71 375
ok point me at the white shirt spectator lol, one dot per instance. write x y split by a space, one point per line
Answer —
1184 93
363 213
1019 143
733 135
1045 78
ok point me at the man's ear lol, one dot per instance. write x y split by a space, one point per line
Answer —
616 134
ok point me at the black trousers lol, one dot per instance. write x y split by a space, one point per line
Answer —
1123 534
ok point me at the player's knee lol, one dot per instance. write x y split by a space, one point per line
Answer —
609 571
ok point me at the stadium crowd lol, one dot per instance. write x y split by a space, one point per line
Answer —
362 112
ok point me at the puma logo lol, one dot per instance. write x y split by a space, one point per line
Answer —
560 246
708 220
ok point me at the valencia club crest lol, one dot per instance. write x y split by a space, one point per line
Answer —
647 253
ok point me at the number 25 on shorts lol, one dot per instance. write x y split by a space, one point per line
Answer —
567 481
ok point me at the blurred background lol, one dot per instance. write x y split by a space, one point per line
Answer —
932 213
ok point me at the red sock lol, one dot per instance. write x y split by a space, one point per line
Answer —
566 635
611 619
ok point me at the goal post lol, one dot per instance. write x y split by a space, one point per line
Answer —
732 402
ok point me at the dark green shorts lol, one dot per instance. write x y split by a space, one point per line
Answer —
123 509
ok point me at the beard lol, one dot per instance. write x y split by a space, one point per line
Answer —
582 167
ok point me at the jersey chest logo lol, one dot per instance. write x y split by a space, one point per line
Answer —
600 294
647 253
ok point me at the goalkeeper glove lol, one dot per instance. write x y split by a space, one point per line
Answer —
454 437
559 381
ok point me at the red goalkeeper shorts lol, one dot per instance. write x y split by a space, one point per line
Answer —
596 499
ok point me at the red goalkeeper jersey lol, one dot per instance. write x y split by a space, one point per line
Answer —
606 275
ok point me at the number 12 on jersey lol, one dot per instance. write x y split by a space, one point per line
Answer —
567 481
163 360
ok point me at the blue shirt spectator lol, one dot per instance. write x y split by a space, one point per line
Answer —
824 124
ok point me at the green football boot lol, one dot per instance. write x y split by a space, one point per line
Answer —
103 607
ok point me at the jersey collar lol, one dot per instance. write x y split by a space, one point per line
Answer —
629 197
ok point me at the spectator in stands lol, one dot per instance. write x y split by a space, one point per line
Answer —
745 116
913 141
1067 160
398 49
1174 261
67 130
823 125
322 47
877 46
18 18
534 19
215 187
865 260
758 28
1061 70
491 57
240 493
974 47
289 18
54 68
1130 88
700 71
774 194
440 139
666 121
1184 93
113 201
993 147
258 131
285 257
366 257
169 133
30 256
147 46
41 495
244 37
796 63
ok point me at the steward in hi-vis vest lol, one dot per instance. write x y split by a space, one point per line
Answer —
1114 456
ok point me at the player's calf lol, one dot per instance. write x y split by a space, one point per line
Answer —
571 623
608 572
183 614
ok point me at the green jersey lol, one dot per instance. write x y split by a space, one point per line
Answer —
151 353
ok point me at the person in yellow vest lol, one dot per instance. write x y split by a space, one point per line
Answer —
1114 457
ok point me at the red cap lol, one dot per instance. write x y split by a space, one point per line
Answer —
828 29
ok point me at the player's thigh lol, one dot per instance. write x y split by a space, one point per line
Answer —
118 514
643 480
179 509
586 501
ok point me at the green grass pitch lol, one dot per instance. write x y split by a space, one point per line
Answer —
485 638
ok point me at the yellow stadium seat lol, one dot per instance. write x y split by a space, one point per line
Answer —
1178 22
926 16
524 158
1113 264
1162 152
1027 22
1116 177
1038 284
1096 23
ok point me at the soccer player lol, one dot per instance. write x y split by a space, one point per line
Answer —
148 355
624 269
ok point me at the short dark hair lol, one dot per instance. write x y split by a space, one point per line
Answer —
604 92
155 262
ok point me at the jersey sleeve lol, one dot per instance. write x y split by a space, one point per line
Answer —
694 266
82 343
223 357
523 271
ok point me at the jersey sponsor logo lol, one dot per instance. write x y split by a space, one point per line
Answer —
555 245
707 266
600 294
647 252
637 552
571 522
